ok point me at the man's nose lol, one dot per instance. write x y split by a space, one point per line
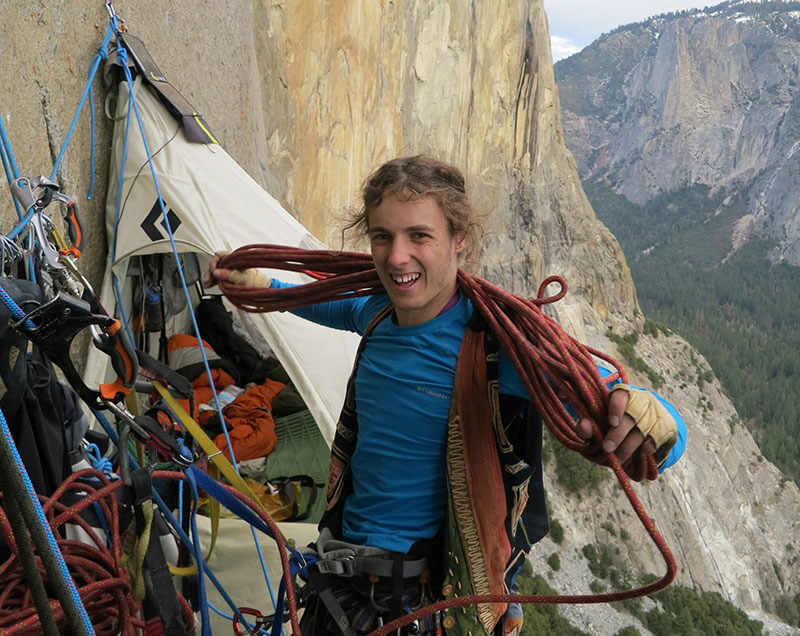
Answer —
398 252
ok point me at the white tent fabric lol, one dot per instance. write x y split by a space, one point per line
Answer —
215 206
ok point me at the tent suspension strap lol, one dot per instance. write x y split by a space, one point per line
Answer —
554 367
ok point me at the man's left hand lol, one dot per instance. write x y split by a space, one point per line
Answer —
639 426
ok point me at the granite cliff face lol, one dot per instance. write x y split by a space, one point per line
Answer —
369 81
309 97
701 97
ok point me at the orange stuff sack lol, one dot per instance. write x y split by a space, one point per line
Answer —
253 432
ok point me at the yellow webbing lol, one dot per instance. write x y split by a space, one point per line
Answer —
135 549
217 458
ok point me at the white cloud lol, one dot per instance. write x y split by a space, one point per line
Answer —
580 22
562 47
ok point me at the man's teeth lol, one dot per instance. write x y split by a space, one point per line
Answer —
404 278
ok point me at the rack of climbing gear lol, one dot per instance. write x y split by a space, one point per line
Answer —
112 579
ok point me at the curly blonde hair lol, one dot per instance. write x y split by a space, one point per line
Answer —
410 178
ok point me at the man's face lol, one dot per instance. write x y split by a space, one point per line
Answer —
415 255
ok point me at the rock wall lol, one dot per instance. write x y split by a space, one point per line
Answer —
349 85
309 97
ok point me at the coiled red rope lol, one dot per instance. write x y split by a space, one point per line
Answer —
103 585
554 367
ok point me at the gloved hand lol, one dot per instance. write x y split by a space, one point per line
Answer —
246 277
638 426
652 420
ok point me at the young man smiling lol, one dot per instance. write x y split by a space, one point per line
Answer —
400 462
415 255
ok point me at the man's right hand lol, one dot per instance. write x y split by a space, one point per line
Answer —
245 278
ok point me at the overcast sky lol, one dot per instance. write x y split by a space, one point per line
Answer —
576 23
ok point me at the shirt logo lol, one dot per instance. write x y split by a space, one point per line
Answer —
431 392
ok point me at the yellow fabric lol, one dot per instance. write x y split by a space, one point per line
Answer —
211 451
134 551
652 419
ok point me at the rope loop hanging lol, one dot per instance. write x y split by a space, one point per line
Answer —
555 368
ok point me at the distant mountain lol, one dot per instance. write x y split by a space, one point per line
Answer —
701 97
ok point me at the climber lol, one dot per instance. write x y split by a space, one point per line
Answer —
399 531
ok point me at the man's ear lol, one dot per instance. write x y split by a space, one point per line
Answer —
461 242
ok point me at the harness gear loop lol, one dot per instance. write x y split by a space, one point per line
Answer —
349 559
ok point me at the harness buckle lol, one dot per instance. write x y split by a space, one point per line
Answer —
343 565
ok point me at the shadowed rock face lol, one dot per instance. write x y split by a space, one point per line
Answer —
309 97
709 98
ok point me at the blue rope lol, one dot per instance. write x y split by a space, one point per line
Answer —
123 58
101 54
198 556
14 308
9 163
96 459
297 561
90 189
51 540
12 161
23 223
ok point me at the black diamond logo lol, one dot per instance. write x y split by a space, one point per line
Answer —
149 223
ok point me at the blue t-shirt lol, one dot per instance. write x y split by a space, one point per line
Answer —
403 387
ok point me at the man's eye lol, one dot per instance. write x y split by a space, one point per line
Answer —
379 237
418 236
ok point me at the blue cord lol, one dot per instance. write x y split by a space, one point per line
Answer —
132 102
14 309
51 539
122 57
9 163
9 153
90 189
23 223
198 557
101 54
96 459
118 204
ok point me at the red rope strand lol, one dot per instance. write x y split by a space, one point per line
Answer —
554 367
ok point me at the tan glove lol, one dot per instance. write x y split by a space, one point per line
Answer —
652 419
249 278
